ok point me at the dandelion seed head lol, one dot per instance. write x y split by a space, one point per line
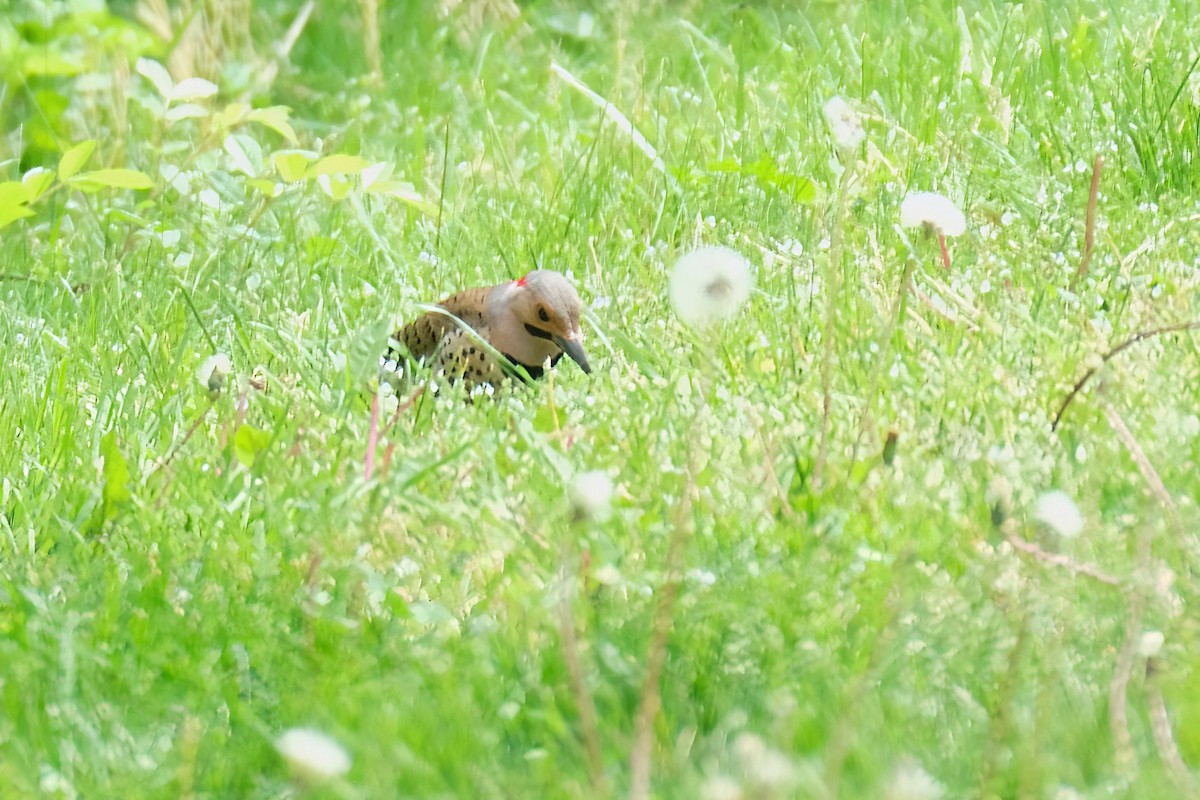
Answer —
935 210
1057 511
312 755
591 495
844 123
213 373
1151 644
710 284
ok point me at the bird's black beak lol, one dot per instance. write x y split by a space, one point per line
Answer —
574 348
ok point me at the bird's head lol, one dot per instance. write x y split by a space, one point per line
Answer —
549 308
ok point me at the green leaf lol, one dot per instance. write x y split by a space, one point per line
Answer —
157 74
335 187
337 165
248 443
115 178
291 164
13 193
275 118
116 476
10 214
37 181
75 158
266 187
190 89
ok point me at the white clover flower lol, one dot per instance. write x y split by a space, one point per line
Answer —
721 787
1057 511
312 755
591 495
844 123
213 372
910 781
935 210
710 284
1151 644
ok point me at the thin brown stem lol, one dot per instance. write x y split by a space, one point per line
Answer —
1104 359
828 337
1164 738
1089 234
651 697
945 252
589 728
1058 560
1118 693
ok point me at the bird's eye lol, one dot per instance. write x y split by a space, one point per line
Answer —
542 315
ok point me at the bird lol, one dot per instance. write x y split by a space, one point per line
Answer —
526 321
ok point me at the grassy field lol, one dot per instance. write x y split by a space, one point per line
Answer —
823 556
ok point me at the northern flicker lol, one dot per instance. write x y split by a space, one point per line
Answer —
527 321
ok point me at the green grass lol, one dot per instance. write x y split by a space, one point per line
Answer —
156 641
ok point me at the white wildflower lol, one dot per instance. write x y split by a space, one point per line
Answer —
1150 644
844 123
1057 511
721 787
213 372
312 755
762 765
933 209
910 781
591 495
710 284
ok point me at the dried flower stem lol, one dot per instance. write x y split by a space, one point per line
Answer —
1164 738
945 252
586 706
832 287
1089 234
651 697
1059 560
1149 473
1132 340
191 431
1118 693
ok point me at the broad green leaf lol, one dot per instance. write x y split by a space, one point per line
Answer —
245 154
248 443
266 187
231 115
10 214
375 174
405 192
157 74
75 158
186 111
116 475
13 193
190 89
337 165
291 164
115 178
275 118
37 181
800 188
337 188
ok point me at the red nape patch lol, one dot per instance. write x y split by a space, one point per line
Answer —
522 281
